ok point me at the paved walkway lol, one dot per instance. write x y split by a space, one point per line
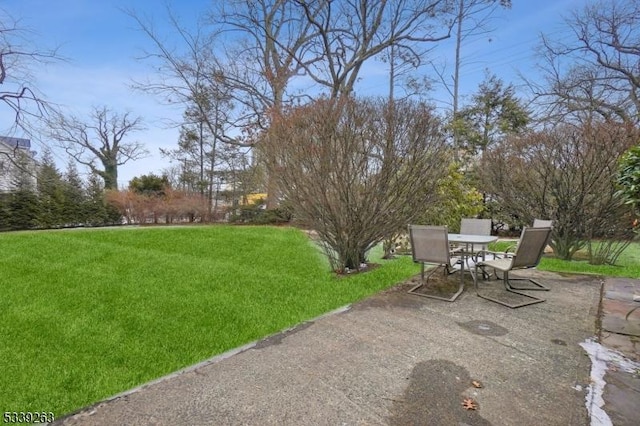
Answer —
621 394
397 358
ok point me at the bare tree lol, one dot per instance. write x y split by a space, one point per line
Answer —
269 49
602 51
18 56
254 67
99 142
276 41
198 148
189 74
223 88
347 34
349 181
325 41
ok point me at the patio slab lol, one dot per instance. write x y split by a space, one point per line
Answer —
393 358
620 336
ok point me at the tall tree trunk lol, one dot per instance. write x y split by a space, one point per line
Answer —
201 141
110 175
456 82
272 188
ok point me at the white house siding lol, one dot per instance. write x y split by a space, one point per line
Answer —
10 150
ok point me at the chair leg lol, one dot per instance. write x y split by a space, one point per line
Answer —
532 300
423 282
535 287
512 289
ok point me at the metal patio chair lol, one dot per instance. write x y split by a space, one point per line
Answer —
472 226
528 253
542 223
430 244
537 223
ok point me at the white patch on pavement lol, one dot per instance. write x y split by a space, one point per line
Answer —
601 359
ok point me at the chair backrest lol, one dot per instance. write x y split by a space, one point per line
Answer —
429 243
530 247
541 223
475 226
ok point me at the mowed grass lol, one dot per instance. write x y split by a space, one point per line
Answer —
628 264
87 314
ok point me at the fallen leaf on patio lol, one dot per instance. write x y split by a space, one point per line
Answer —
469 404
476 384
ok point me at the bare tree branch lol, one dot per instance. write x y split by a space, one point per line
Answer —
349 33
603 54
17 56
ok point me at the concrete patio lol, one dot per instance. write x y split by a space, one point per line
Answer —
396 358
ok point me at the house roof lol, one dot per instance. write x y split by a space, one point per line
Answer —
16 142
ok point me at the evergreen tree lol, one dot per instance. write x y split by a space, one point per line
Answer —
494 112
150 185
23 206
75 196
50 189
4 213
95 206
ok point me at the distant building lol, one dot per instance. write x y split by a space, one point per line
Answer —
15 151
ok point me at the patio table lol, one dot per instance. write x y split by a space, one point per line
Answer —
469 240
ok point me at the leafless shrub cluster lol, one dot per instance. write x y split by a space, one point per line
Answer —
356 171
566 174
172 207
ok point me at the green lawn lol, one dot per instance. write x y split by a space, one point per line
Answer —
87 314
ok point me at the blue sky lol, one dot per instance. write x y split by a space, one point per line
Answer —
102 43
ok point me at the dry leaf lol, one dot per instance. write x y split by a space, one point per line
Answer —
469 404
476 384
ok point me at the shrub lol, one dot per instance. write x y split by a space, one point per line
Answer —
356 171
566 174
